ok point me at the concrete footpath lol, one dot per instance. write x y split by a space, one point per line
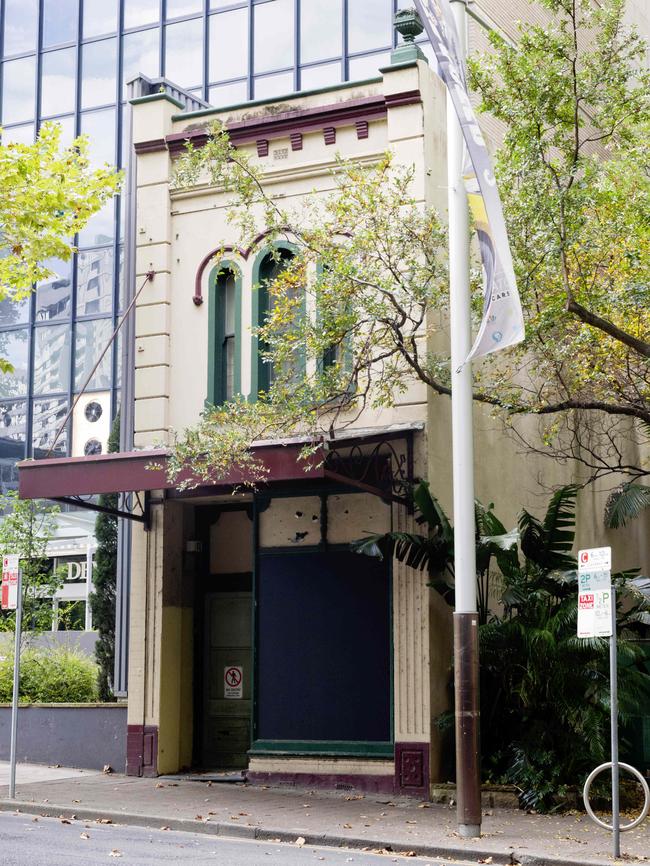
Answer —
374 822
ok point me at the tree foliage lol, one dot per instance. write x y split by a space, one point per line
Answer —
26 528
102 599
573 170
362 306
544 691
48 193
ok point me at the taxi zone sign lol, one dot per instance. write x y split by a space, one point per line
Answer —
595 592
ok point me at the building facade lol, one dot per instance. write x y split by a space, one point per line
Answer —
257 640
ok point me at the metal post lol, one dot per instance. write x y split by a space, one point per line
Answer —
14 704
468 783
613 687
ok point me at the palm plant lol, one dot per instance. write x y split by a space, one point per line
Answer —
544 691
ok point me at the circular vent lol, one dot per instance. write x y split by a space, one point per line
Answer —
93 411
92 446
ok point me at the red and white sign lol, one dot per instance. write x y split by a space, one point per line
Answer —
595 559
10 566
233 682
595 613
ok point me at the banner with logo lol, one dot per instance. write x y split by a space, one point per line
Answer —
503 322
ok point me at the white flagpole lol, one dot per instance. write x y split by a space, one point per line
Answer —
468 793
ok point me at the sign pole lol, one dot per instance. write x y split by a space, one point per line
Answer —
14 706
613 680
466 664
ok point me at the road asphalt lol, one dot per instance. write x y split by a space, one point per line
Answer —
336 818
34 841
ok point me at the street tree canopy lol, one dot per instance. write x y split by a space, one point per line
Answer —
361 307
48 193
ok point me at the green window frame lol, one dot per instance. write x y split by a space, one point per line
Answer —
263 267
224 332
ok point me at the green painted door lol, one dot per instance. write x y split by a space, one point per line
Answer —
227 683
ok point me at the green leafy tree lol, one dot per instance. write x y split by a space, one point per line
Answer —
102 600
362 306
574 101
26 528
544 691
48 192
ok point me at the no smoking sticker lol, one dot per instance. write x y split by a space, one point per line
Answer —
233 682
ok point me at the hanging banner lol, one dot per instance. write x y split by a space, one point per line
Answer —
503 322
10 565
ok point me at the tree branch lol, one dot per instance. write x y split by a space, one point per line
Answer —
589 318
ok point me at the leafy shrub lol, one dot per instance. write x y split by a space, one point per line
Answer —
50 675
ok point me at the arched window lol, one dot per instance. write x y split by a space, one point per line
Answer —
269 266
225 334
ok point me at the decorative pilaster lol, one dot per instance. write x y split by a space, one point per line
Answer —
412 695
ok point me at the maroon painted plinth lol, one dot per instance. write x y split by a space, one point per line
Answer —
326 781
412 769
142 750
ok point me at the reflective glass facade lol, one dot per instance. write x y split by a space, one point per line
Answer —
69 60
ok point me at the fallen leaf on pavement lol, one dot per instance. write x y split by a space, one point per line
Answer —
164 828
105 821
65 821
84 836
115 853
487 860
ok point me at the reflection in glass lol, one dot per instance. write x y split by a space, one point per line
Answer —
314 77
60 19
14 312
141 55
369 25
14 347
321 26
229 94
100 16
58 82
54 294
138 12
368 66
99 126
91 340
176 8
274 85
18 134
47 417
95 282
184 52
273 35
21 26
229 45
51 359
98 71
67 129
18 90
13 428
100 228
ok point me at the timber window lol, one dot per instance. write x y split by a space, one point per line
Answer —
225 330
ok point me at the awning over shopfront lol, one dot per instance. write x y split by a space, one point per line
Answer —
369 459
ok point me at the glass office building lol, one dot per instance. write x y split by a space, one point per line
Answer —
69 60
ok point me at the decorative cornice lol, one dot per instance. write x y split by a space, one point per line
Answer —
407 97
292 124
150 146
